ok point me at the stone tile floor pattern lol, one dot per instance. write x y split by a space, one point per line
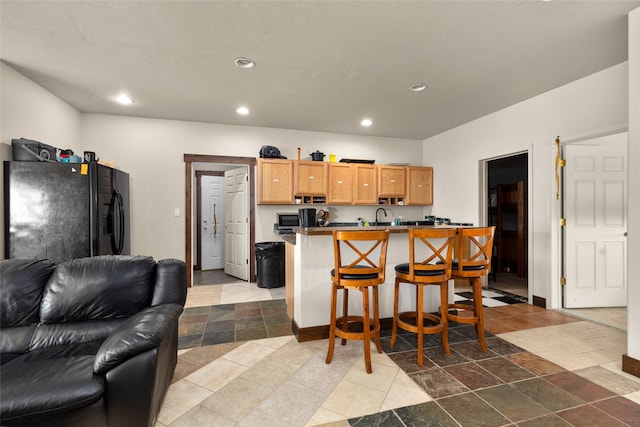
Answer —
543 368
217 324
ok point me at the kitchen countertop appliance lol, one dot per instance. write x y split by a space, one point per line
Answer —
307 217
286 221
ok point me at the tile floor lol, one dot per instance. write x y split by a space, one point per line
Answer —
217 324
509 282
610 316
543 368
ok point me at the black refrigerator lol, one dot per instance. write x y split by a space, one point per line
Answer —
63 211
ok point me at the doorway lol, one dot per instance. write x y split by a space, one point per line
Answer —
210 208
216 163
220 228
507 185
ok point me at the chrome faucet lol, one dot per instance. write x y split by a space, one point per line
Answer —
378 210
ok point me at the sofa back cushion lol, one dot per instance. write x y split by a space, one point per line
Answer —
102 287
22 282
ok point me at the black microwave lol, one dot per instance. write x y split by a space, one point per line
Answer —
286 221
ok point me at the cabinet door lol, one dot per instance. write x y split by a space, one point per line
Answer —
275 181
310 178
365 184
420 185
391 181
340 184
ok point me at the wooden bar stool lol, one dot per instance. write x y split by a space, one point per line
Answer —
431 267
357 268
472 261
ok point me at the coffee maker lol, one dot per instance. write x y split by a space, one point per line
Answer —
307 217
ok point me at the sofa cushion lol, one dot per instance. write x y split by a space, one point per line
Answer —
49 380
21 285
15 341
53 334
143 331
103 287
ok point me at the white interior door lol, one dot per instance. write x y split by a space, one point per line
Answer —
237 223
212 214
595 198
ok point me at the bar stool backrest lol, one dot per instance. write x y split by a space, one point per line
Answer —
436 252
474 248
360 257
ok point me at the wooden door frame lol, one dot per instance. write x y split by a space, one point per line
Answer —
485 216
199 175
189 159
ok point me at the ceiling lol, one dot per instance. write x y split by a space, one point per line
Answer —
320 65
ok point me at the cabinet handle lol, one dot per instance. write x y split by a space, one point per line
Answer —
419 185
311 177
339 182
392 180
366 185
276 180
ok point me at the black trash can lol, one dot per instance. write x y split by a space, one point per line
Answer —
270 264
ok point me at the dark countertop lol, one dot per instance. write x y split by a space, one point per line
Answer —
289 238
319 231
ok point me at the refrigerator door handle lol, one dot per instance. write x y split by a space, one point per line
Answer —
117 203
122 220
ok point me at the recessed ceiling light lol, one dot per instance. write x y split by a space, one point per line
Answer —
124 99
242 110
243 62
418 87
366 122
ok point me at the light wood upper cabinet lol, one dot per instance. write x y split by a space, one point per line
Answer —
365 184
275 181
391 181
419 185
310 178
340 184
282 181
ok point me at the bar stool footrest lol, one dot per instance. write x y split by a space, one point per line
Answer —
413 327
355 335
462 319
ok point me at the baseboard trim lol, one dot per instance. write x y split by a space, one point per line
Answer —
539 301
310 334
630 365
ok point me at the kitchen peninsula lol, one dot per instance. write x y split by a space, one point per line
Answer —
309 262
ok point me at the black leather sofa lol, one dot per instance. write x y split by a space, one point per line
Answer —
88 342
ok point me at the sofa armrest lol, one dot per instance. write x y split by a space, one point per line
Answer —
141 332
171 282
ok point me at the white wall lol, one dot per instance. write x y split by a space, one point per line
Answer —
29 111
589 106
151 151
633 239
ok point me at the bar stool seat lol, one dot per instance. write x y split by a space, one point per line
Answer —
473 261
405 269
432 267
357 268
